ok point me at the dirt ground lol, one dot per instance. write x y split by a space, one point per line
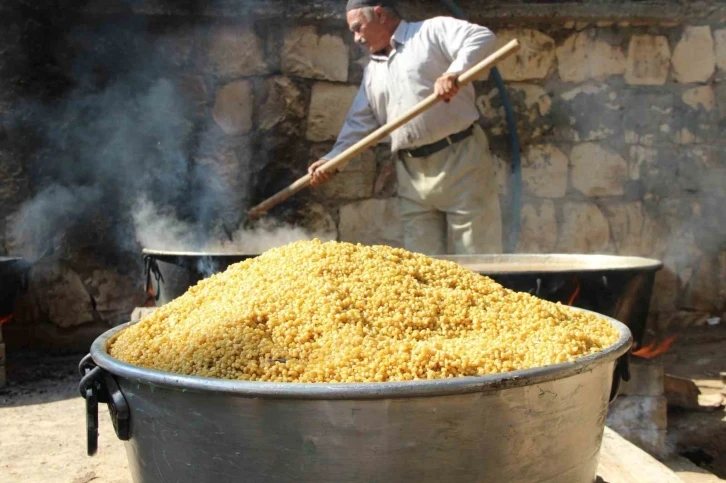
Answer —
42 427
42 417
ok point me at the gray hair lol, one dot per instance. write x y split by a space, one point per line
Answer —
368 12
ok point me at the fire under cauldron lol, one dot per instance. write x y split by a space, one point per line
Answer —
617 286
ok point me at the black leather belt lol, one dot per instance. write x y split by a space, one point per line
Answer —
432 148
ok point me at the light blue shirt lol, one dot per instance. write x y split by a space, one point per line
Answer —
393 84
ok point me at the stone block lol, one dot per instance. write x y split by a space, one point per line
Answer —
501 174
720 94
307 54
544 171
592 110
371 222
584 229
649 59
641 157
355 180
318 222
233 108
693 57
537 101
646 379
597 171
114 293
701 291
58 293
633 231
226 172
14 188
538 228
535 58
638 412
194 91
235 51
698 97
583 56
348 186
283 101
665 290
328 107
720 48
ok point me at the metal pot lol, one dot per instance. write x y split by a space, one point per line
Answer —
536 425
616 286
174 272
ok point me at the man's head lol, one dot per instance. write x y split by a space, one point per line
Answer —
372 23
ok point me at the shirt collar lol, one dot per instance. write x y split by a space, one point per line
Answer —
400 34
398 37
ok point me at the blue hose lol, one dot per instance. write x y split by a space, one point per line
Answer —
513 140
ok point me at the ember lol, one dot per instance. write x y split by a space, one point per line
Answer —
654 349
576 293
4 320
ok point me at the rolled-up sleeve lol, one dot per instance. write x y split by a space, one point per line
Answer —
466 43
359 122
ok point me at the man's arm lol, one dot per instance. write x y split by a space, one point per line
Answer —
359 122
466 44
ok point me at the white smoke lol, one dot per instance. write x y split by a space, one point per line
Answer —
160 229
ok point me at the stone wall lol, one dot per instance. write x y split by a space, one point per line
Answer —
621 119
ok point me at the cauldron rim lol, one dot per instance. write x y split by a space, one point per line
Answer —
371 390
515 263
560 263
192 253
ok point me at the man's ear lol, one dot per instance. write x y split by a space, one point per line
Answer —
380 13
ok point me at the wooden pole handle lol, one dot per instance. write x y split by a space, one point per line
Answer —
383 131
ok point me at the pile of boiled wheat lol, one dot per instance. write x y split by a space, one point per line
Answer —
338 312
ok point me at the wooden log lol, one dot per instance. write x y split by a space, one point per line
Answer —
681 392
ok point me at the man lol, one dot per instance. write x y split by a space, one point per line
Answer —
445 179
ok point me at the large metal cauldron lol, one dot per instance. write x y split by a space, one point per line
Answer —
616 286
534 426
169 274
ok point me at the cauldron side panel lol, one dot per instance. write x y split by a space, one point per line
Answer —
548 432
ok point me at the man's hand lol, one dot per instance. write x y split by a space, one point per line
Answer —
447 86
318 175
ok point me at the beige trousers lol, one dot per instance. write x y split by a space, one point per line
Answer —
450 200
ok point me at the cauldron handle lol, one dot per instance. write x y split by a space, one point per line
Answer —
152 268
621 372
96 386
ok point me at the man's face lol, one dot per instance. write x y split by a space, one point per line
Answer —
370 33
